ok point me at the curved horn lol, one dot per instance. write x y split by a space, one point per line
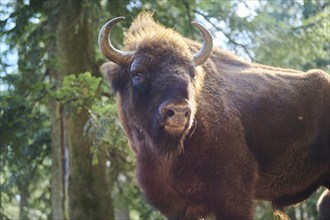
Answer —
108 50
201 56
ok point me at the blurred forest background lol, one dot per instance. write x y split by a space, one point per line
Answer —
63 154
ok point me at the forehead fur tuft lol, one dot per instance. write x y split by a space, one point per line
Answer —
145 31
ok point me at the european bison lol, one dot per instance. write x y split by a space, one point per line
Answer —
213 132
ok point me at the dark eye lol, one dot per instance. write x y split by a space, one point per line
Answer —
192 72
138 79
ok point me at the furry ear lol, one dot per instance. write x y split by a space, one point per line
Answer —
115 74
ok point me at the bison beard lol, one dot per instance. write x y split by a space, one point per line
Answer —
263 132
167 143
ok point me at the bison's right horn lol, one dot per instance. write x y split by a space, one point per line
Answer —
109 51
201 56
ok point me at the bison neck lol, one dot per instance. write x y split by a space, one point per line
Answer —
167 178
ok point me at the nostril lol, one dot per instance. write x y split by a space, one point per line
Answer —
169 113
175 112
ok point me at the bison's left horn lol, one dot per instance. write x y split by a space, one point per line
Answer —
109 51
201 56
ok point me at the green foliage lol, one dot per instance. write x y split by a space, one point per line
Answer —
24 119
288 37
78 90
25 150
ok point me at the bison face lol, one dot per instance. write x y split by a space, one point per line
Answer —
156 84
161 94
156 93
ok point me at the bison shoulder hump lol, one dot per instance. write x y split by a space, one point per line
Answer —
319 76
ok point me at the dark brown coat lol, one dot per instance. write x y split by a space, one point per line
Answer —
255 131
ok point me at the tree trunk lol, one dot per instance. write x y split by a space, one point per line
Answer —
58 140
86 193
58 160
89 190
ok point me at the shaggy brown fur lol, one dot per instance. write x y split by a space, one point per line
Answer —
256 132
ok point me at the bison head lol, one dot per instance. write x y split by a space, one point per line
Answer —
156 80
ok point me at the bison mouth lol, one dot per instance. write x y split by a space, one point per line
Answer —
176 124
174 129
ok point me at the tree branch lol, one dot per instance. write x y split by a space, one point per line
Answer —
230 39
107 94
309 25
